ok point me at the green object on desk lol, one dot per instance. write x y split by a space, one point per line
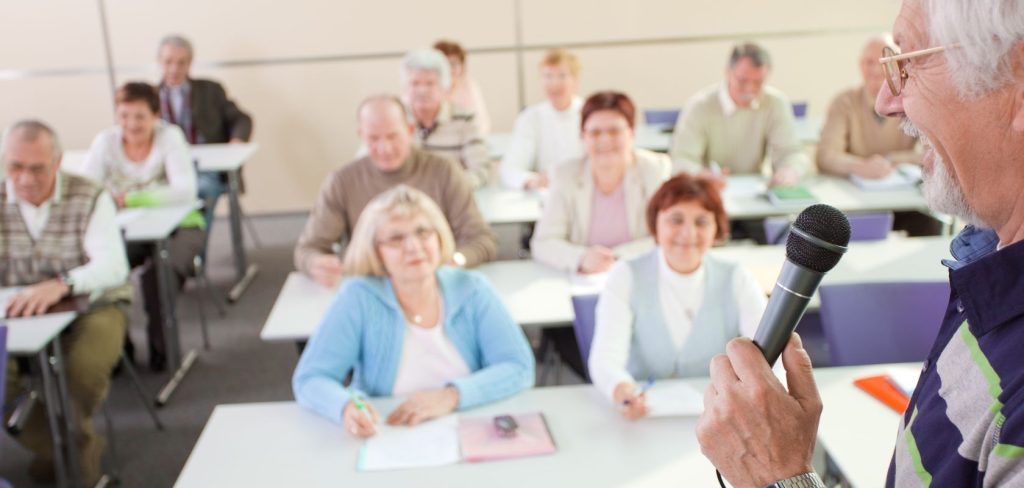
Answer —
153 198
791 196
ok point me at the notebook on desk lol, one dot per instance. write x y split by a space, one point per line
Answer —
791 196
480 440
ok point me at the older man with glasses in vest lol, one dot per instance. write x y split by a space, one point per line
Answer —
58 238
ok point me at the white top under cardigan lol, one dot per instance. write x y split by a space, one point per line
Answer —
681 296
429 361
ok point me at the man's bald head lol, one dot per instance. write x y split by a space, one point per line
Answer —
385 130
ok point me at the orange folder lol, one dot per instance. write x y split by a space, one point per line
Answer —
881 387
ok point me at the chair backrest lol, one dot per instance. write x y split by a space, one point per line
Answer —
874 323
583 325
863 227
799 109
665 117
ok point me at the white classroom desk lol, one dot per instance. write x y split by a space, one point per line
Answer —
39 336
744 198
654 137
281 444
534 294
538 296
225 159
154 226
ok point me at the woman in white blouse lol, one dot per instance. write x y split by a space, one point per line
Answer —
547 133
145 162
666 313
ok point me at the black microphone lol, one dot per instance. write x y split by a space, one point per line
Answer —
816 241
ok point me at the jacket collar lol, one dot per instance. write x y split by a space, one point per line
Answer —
454 291
989 283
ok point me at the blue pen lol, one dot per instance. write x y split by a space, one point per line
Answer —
643 388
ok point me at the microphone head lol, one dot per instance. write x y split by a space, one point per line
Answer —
823 222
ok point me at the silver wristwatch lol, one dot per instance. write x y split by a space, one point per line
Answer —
806 480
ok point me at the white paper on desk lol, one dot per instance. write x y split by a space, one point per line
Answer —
745 187
433 443
905 176
127 216
673 400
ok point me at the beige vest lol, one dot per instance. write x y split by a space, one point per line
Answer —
60 247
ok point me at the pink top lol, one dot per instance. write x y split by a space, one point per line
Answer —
609 226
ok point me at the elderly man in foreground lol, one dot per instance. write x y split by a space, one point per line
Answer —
959 86
58 238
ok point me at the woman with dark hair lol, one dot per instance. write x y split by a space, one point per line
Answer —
596 203
666 313
464 91
145 162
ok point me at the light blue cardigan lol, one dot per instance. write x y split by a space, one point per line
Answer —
364 329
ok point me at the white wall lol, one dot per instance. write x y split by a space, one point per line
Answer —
301 67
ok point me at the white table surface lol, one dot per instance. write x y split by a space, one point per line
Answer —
152 223
537 295
534 294
211 157
894 259
26 336
223 157
744 198
742 202
505 206
280 444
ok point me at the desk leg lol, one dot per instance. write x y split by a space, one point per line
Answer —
61 415
244 273
172 337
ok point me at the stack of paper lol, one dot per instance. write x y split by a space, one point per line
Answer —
674 399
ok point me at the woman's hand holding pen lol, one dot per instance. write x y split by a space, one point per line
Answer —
632 401
360 421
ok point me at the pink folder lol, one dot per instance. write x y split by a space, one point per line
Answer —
479 439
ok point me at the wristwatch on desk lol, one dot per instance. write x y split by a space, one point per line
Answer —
806 480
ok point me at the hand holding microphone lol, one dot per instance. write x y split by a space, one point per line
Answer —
753 430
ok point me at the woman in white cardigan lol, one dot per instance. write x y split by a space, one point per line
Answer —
596 204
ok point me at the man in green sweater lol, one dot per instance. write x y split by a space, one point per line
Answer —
391 160
737 124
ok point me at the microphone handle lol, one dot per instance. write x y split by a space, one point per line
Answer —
793 291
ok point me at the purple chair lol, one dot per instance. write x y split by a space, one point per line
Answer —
583 325
665 118
863 227
874 323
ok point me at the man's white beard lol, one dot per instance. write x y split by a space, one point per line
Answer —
941 191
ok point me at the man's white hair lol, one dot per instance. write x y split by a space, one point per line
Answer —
430 60
30 130
987 31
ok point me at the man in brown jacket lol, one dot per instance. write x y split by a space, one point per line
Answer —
391 160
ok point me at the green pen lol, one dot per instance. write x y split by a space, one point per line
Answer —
357 400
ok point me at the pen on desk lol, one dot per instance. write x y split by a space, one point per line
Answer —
643 388
357 400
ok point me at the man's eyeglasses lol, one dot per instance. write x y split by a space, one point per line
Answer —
895 65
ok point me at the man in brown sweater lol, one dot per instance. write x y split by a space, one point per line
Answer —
391 160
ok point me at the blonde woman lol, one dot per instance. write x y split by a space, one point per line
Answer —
409 327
